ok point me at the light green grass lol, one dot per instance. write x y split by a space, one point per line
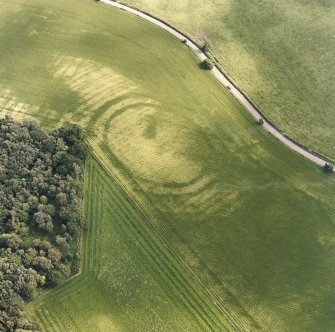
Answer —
128 280
280 52
250 221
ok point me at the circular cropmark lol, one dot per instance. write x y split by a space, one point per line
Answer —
151 147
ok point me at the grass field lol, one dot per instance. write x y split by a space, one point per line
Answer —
280 52
250 222
128 282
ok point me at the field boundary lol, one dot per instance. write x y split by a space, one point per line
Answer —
227 81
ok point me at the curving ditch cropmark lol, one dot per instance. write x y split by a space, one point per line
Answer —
224 81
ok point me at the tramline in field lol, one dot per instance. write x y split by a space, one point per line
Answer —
249 222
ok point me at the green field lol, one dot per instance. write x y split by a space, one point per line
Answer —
280 52
250 222
128 281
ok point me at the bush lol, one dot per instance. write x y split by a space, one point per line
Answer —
260 122
59 274
207 64
205 47
329 168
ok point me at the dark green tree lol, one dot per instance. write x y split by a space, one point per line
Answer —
207 64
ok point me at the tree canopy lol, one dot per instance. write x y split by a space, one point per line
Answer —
41 177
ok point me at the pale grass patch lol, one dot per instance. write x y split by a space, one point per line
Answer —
105 116
33 32
327 240
11 105
104 323
95 83
185 251
159 158
266 312
207 200
248 66
186 188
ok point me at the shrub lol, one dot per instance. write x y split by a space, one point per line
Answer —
207 64
205 47
329 168
59 274
260 122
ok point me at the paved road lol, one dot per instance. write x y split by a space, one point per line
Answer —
224 80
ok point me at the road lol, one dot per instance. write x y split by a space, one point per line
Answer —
224 80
